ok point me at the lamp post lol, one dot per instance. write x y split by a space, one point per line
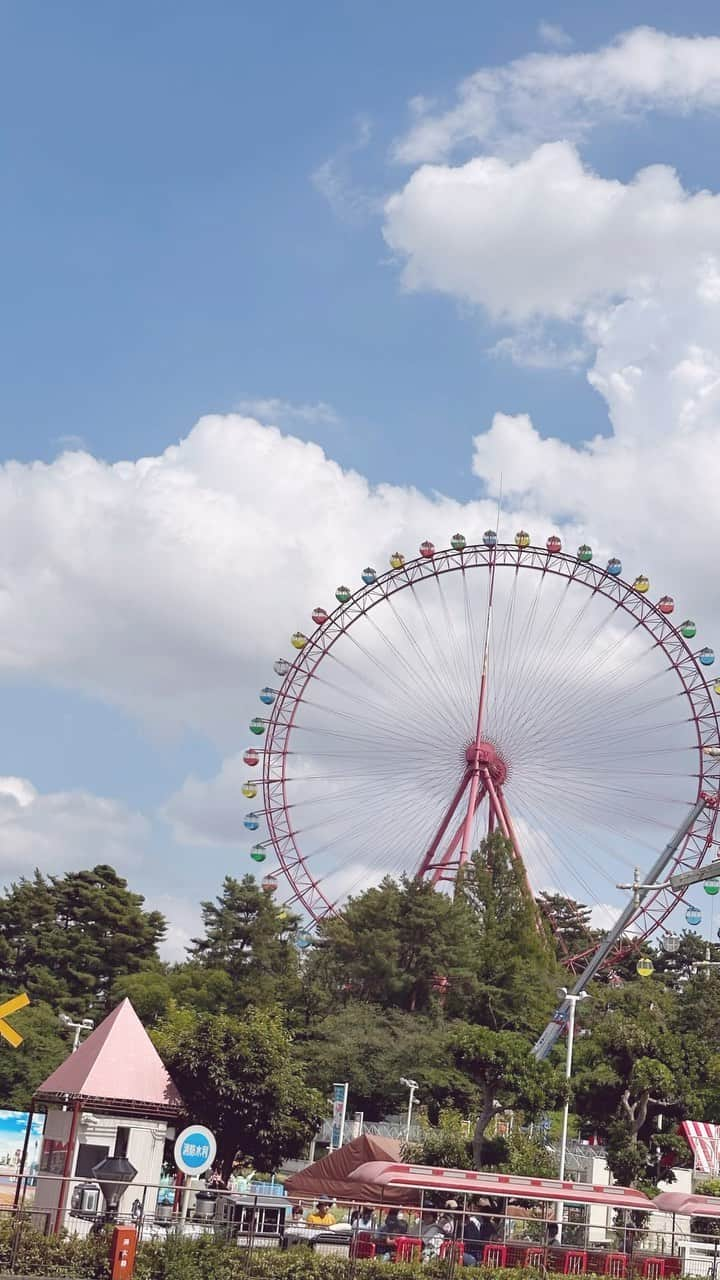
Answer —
412 1085
87 1024
570 998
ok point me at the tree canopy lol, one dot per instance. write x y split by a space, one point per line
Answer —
406 980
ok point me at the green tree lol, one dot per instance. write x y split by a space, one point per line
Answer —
675 967
45 1045
191 985
240 1077
516 972
528 1157
401 945
446 1145
570 923
629 1070
372 1048
67 939
251 941
506 1075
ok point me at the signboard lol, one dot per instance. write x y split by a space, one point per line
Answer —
9 1033
195 1149
13 1125
340 1096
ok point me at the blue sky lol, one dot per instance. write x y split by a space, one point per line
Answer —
193 223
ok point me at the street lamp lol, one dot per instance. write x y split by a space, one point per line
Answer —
570 998
413 1086
87 1024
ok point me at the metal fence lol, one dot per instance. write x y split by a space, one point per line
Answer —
602 1242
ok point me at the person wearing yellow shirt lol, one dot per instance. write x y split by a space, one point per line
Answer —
322 1216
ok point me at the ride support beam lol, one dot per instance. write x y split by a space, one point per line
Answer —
429 856
441 868
555 1028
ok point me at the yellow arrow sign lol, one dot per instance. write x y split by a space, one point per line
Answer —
12 1006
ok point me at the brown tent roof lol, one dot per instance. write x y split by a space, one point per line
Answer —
331 1176
118 1069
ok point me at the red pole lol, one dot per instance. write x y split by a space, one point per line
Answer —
433 847
446 860
67 1167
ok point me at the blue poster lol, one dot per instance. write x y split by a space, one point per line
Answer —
340 1093
12 1136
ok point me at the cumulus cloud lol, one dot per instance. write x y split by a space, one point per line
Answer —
547 237
184 919
633 271
208 811
59 831
165 585
566 95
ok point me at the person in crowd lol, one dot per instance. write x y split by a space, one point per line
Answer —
239 1180
362 1219
321 1215
551 1233
478 1230
448 1219
395 1225
296 1229
432 1236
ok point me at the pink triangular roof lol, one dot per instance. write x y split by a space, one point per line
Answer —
117 1064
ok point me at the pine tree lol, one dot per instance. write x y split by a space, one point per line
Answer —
68 939
516 969
250 940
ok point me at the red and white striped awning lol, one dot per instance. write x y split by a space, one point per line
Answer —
414 1177
704 1142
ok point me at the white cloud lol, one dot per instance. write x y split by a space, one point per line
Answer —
565 95
603 915
184 919
285 413
555 36
209 811
165 586
547 237
535 348
334 181
59 831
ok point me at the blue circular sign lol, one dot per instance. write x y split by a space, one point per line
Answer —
195 1149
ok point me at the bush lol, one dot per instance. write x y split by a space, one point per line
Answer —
204 1259
35 1254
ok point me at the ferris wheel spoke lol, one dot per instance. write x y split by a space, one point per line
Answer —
393 675
398 838
464 672
441 652
612 700
404 727
431 672
505 655
594 721
560 861
573 717
575 658
514 689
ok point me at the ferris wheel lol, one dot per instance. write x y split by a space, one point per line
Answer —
478 688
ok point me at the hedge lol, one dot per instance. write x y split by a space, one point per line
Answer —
206 1258
210 1259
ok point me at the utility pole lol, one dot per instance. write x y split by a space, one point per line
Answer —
570 998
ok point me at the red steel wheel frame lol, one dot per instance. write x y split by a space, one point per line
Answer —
484 767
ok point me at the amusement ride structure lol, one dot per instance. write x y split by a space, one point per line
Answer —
492 686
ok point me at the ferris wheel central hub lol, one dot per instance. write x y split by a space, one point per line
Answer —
483 755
